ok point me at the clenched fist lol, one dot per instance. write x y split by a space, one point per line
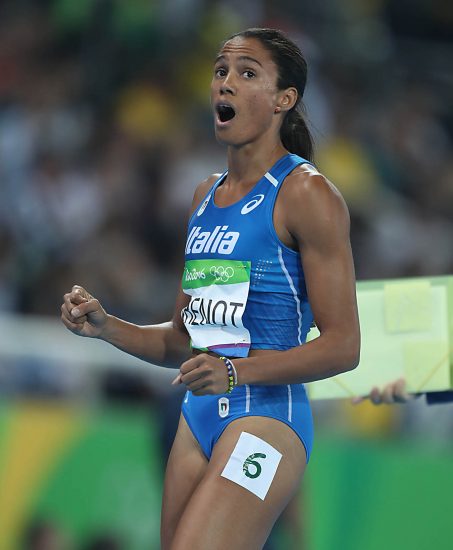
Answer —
82 314
203 375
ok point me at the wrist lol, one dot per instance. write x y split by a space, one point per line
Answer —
241 371
106 332
232 377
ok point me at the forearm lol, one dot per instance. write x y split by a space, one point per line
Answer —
162 344
323 357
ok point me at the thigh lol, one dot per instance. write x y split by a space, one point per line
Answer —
186 466
222 514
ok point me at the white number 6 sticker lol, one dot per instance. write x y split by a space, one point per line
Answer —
252 464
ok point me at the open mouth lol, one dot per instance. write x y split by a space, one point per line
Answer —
225 112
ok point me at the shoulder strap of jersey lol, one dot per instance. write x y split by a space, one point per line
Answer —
208 195
283 167
276 176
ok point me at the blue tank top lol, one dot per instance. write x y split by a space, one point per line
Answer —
247 289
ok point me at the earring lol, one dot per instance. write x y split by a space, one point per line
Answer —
277 110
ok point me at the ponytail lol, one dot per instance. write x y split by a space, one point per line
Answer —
296 136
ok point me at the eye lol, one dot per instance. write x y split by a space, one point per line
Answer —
249 74
220 72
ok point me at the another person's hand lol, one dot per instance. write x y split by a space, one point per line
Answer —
203 375
395 392
82 314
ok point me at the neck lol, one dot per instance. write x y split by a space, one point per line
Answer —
246 164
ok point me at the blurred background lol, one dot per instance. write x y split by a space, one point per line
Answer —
105 131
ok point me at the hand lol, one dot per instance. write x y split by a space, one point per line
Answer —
82 314
203 375
395 392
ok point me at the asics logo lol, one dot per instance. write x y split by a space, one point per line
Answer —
251 205
222 273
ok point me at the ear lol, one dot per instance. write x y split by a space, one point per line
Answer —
286 99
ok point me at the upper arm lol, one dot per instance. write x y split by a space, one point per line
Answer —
182 299
318 219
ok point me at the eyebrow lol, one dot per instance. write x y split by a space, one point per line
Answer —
241 58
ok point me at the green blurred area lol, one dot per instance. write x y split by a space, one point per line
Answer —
379 494
106 480
358 493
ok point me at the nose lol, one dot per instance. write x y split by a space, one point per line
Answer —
228 85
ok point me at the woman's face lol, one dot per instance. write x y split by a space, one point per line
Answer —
244 92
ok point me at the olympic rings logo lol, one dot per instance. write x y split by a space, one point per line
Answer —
222 273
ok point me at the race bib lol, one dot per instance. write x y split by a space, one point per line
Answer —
213 318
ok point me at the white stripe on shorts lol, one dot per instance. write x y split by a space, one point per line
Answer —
290 404
247 398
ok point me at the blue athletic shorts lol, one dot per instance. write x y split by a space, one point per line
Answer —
208 415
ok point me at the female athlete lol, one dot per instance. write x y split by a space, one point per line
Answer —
267 252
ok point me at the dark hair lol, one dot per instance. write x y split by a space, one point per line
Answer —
292 71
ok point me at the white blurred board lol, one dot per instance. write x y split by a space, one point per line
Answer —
407 331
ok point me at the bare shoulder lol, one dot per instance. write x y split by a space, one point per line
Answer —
202 189
308 185
312 203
